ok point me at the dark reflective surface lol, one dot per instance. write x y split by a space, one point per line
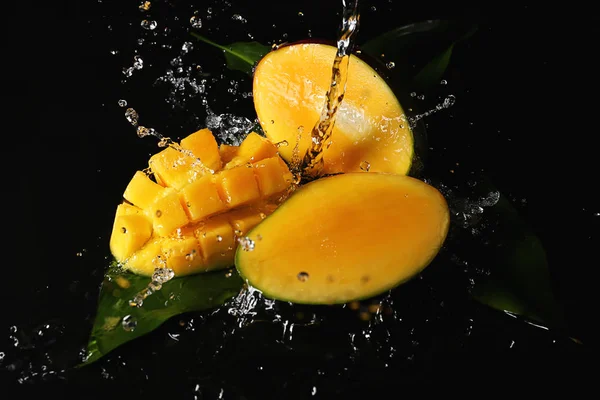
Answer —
524 114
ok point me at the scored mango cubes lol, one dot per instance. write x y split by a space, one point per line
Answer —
188 216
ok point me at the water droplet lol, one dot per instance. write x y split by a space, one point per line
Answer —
300 14
283 143
219 238
2 355
158 213
597 214
122 103
443 82
238 17
138 62
132 116
149 25
123 229
413 94
247 244
142 131
129 323
303 276
187 46
421 97
145 6
162 275
449 101
365 166
390 65
196 22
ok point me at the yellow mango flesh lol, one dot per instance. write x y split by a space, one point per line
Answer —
253 148
289 91
346 237
199 155
194 226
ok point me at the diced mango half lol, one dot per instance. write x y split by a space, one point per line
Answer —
189 221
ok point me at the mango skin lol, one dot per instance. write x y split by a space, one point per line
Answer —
347 237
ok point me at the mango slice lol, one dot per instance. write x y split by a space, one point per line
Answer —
346 237
289 90
182 216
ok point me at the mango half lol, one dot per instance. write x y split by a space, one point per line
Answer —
371 129
346 237
189 210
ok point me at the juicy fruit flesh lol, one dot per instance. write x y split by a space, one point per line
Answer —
289 89
190 217
348 237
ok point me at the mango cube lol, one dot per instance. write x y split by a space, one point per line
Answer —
142 191
183 255
272 175
204 146
174 168
237 186
201 198
217 242
167 213
243 220
130 233
148 258
253 148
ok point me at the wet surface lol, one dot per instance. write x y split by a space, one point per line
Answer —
520 115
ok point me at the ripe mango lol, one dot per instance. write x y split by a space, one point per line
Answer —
188 216
346 237
371 128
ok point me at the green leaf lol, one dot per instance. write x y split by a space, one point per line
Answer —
191 293
433 72
240 56
394 42
414 44
519 280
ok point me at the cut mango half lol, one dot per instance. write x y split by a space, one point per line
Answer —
371 129
347 237
189 210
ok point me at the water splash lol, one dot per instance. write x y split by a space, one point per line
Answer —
229 128
447 103
160 276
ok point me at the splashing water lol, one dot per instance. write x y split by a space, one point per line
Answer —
160 276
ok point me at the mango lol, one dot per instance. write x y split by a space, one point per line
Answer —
189 219
253 148
289 88
345 237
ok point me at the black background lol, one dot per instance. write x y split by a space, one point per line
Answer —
527 90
